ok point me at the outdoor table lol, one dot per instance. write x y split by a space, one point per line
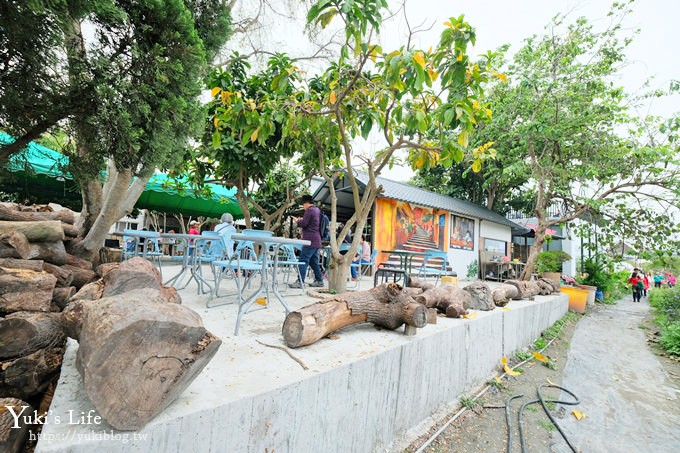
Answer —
191 260
405 258
140 236
269 244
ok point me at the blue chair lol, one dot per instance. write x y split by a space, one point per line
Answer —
435 263
243 264
288 261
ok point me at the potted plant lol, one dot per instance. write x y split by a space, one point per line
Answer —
549 263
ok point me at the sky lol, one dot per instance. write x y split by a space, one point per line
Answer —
652 54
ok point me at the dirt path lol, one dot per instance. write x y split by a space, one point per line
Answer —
629 399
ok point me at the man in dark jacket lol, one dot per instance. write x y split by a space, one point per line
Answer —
310 253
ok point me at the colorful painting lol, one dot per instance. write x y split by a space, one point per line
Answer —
462 233
414 226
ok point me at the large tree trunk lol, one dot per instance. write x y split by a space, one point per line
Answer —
132 346
535 249
39 231
24 290
12 438
27 376
386 306
25 332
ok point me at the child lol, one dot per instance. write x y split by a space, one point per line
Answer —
634 280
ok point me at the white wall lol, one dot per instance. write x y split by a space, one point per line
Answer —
461 259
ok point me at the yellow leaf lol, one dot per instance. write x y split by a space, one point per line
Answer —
578 414
226 96
472 315
215 91
332 84
477 166
459 57
506 308
448 24
510 371
489 113
332 97
420 59
503 78
463 139
476 105
432 73
540 357
498 379
215 122
253 136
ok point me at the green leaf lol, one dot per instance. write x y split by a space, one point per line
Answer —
366 127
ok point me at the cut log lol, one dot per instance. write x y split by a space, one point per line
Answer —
27 376
41 231
61 296
14 263
17 241
53 252
24 332
418 283
76 261
64 276
25 290
554 284
70 230
503 294
81 277
480 296
12 214
545 287
448 298
13 438
91 291
136 273
525 289
385 305
133 346
105 268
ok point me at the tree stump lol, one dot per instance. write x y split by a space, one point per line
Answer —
480 296
12 439
25 290
25 332
385 305
136 355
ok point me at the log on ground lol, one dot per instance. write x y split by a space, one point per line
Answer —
525 289
480 296
12 438
64 276
503 294
39 231
81 277
27 376
448 298
52 252
133 346
25 290
76 261
16 263
386 305
25 332
7 213
17 241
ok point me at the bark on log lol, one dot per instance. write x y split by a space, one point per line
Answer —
12 439
132 346
105 268
502 295
53 252
15 263
480 296
70 230
18 242
555 284
81 277
27 376
525 289
63 275
25 290
447 298
12 214
386 305
78 262
418 283
62 296
545 287
24 332
41 231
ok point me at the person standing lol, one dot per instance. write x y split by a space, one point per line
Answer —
658 278
309 255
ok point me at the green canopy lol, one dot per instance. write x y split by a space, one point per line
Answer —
38 172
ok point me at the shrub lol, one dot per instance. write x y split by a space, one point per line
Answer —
551 261
473 269
666 305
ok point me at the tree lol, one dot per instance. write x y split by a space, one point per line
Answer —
127 94
366 88
572 127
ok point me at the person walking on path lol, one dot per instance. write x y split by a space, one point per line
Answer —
648 281
630 403
637 285
309 255
658 278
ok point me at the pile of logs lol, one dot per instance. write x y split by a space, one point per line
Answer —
135 337
391 306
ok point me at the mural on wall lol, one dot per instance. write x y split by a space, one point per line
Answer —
414 226
462 233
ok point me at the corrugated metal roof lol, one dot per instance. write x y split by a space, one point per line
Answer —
422 197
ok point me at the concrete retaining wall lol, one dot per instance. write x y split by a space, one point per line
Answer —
372 403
